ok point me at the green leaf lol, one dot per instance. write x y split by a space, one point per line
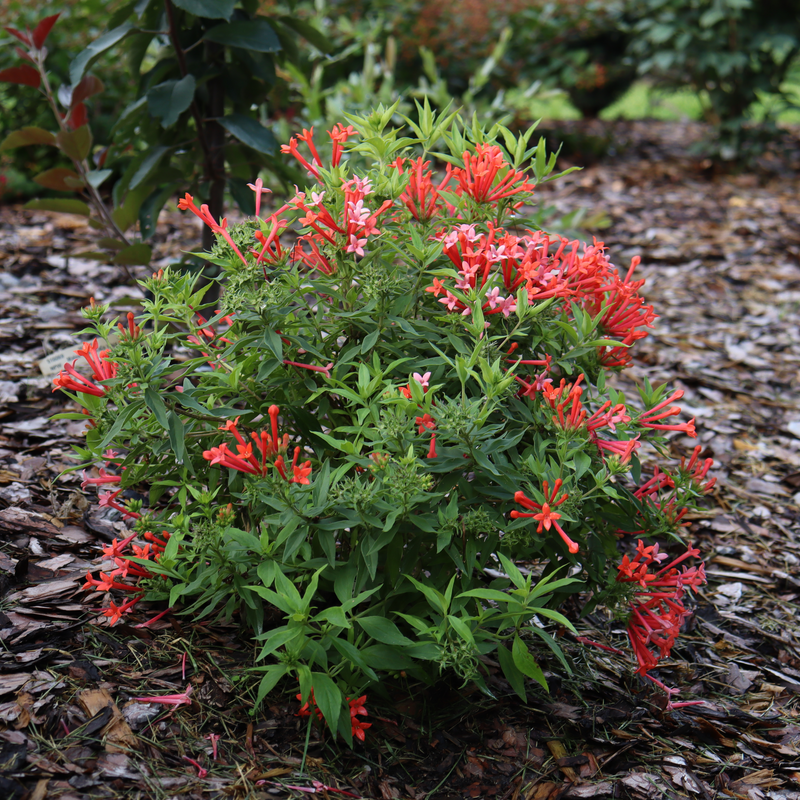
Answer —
148 166
279 638
82 61
250 132
382 656
26 136
273 673
274 342
352 653
57 178
513 675
382 630
328 698
75 144
211 9
436 599
134 255
96 177
461 628
154 402
177 436
255 34
487 594
119 423
335 616
170 99
62 206
526 664
370 340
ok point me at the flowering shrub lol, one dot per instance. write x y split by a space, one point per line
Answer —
392 406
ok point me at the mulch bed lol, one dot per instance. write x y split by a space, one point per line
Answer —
721 254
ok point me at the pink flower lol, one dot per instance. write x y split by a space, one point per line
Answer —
356 245
423 380
201 773
259 189
168 699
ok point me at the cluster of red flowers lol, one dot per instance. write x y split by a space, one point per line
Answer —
125 569
543 512
507 262
650 492
271 449
102 370
207 339
657 609
357 707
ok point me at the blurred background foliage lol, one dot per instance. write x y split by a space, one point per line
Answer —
732 63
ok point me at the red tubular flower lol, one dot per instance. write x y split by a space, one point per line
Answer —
109 500
432 449
650 419
116 549
270 447
309 707
543 512
70 379
657 609
300 472
421 197
220 228
358 726
425 422
271 244
258 188
133 331
326 370
307 137
201 771
622 449
115 612
315 259
102 370
488 178
104 479
697 472
339 135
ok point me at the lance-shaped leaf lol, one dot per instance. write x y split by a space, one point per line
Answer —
170 99
148 166
42 30
250 132
26 136
82 61
24 75
23 37
57 179
256 34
